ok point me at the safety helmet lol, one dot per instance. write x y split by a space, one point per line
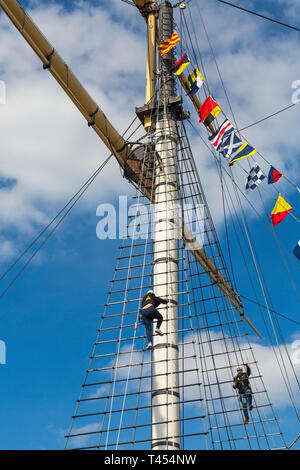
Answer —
150 292
239 368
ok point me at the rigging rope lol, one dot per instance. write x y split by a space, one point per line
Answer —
268 117
273 311
238 359
129 2
258 14
215 59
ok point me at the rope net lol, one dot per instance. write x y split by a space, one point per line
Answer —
116 404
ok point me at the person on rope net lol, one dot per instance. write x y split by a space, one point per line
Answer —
241 383
149 312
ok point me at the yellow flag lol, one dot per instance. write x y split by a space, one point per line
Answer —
168 44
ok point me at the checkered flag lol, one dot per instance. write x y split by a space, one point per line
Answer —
254 178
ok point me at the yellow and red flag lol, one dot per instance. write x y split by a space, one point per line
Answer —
181 65
280 211
168 44
209 111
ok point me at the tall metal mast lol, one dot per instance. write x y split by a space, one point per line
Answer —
165 391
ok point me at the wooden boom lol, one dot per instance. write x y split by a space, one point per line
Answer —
99 122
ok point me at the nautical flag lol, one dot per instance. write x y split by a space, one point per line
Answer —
181 65
217 138
195 81
244 151
296 251
273 175
254 178
280 211
168 44
209 111
230 145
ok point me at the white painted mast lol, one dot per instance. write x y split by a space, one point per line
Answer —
165 390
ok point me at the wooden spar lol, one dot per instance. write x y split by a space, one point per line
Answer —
142 3
95 116
215 275
196 102
151 64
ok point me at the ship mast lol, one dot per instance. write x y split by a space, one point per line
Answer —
165 392
160 115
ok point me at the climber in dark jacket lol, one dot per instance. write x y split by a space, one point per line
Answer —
241 383
149 312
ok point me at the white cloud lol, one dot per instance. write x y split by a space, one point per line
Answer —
7 250
291 11
99 392
82 441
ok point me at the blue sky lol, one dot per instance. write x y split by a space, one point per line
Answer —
50 316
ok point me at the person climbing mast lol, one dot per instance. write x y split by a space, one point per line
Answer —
241 383
149 312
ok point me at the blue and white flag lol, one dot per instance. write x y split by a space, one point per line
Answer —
254 178
297 250
230 145
194 82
